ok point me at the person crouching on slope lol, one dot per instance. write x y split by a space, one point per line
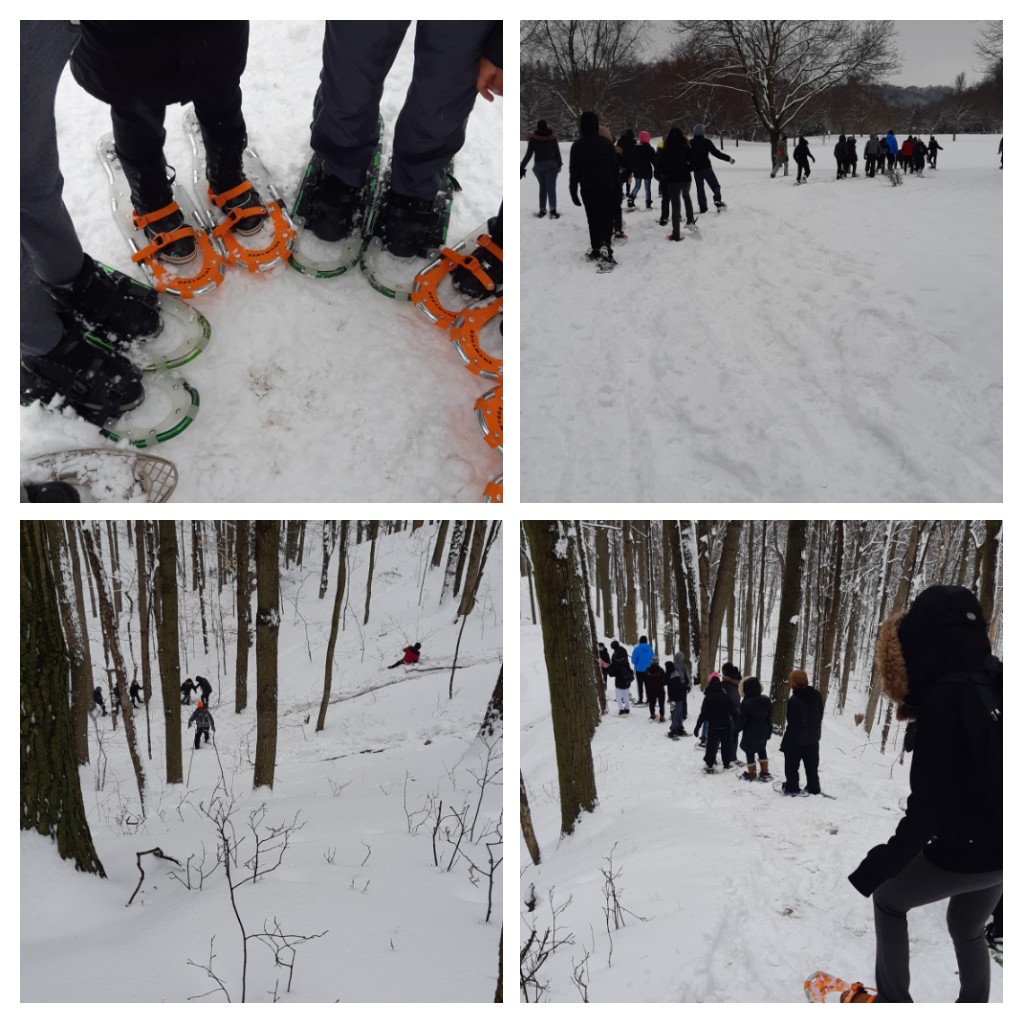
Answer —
410 656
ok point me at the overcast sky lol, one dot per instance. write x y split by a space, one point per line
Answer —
934 52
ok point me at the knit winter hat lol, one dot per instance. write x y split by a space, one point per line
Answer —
730 671
714 677
698 129
751 686
798 678
645 137
588 123
542 127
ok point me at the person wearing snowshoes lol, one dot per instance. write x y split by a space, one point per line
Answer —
97 699
644 158
410 656
730 680
75 313
454 61
140 68
802 737
594 173
933 151
134 690
755 728
187 689
655 680
642 656
677 684
204 688
719 714
703 149
801 154
781 158
936 665
620 671
203 722
604 660
542 145
674 166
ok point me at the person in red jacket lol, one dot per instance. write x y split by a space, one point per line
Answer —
410 655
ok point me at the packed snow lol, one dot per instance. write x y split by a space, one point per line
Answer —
362 866
730 891
310 390
834 341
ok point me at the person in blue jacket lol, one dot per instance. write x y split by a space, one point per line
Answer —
894 148
642 656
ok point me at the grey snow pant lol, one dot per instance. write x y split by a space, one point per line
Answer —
50 249
972 898
431 127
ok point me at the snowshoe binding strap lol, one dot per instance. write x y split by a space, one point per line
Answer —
427 282
185 286
276 251
171 405
489 412
494 491
858 993
465 336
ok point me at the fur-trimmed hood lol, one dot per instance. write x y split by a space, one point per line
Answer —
943 632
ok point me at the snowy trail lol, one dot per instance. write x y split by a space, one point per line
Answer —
832 341
745 891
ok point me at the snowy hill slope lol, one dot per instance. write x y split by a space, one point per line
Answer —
361 867
836 341
744 891
310 390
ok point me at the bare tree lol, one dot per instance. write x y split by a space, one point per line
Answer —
784 66
268 592
243 601
989 47
789 612
374 530
51 795
168 650
335 618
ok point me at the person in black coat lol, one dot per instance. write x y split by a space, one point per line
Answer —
622 673
839 151
801 154
604 659
547 163
674 167
187 689
644 161
594 172
920 155
803 733
655 680
755 727
625 147
719 713
731 679
676 685
949 843
97 699
933 151
851 155
702 149
134 690
203 685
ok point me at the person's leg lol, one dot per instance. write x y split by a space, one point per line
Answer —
647 193
687 202
702 199
651 701
541 175
918 884
357 56
711 750
551 179
595 215
792 769
431 127
810 759
712 180
641 678
674 190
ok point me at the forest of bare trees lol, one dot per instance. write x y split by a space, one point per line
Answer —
768 596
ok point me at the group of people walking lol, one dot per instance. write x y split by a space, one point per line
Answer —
604 173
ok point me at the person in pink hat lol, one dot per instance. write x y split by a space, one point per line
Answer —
644 158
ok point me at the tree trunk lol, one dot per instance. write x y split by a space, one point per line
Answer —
268 592
789 611
832 623
85 684
568 651
473 572
987 576
109 624
495 710
604 579
602 700
144 616
168 649
629 625
526 569
51 794
498 989
374 530
526 823
243 599
335 618
460 565
442 533
454 552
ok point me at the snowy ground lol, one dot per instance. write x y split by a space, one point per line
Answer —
836 341
399 928
744 891
310 390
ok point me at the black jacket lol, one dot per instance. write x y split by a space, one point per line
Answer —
676 686
627 146
644 157
203 719
716 709
619 668
755 722
541 148
674 160
803 718
702 149
654 681
802 152
593 166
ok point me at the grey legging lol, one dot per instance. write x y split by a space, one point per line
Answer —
972 898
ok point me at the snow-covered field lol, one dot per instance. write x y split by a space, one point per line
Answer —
836 341
744 891
398 928
310 390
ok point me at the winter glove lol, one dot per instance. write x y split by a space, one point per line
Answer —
867 878
576 200
732 159
522 172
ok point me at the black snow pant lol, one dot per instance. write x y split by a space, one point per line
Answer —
546 173
431 127
972 898
641 678
203 732
706 175
677 189
803 169
718 736
808 753
600 209
50 250
659 700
